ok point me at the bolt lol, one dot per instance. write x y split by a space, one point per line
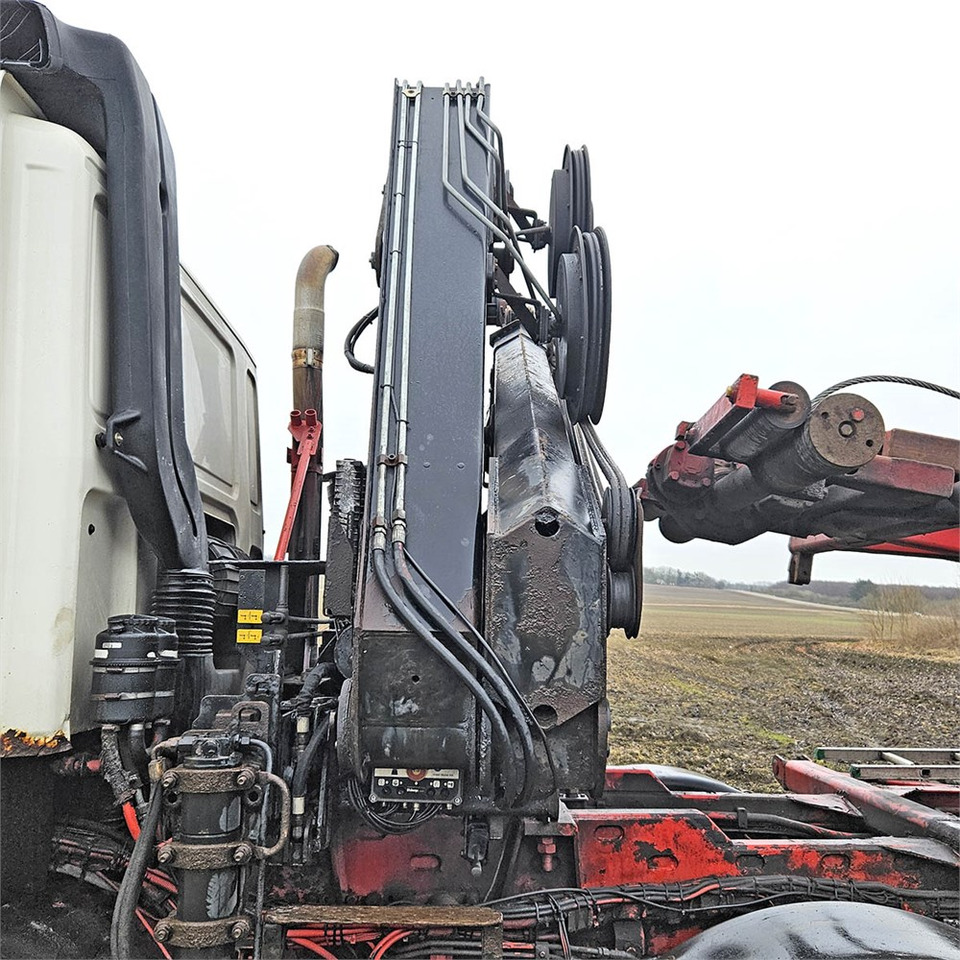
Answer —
705 481
161 932
239 930
680 445
245 778
674 474
242 853
166 854
170 780
857 414
101 440
118 439
207 748
547 847
846 428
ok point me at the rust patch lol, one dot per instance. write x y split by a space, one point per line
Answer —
19 743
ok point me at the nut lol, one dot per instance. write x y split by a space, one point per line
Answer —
239 930
161 932
166 854
170 781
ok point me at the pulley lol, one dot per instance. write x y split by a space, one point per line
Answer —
571 205
583 347
619 513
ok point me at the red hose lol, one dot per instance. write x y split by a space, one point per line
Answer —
130 818
387 942
314 947
149 929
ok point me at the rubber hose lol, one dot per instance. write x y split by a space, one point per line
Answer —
412 620
121 926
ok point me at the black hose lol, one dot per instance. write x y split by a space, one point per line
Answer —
311 682
413 622
496 681
308 757
533 723
349 345
121 926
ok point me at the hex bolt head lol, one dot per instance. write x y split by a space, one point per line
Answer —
161 932
239 930
846 428
169 781
165 854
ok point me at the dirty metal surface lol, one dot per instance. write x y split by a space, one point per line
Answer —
20 743
663 846
392 917
545 591
926 447
200 780
201 934
882 810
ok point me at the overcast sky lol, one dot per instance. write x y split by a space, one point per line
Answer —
778 183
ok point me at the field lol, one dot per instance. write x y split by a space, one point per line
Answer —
720 681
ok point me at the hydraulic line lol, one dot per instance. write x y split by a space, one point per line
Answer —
305 763
482 641
350 343
486 221
493 670
124 911
385 399
432 614
414 622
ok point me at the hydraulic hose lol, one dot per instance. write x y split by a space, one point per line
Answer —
307 759
350 344
124 910
532 721
413 622
496 681
311 682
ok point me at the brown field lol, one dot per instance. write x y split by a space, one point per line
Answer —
720 681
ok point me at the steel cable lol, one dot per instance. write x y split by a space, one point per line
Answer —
885 378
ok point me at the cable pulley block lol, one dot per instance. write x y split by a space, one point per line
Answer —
571 205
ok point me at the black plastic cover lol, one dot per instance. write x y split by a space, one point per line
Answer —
90 83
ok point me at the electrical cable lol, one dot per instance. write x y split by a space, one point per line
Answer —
884 378
349 345
129 892
380 820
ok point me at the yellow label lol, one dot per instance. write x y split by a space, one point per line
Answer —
249 636
249 616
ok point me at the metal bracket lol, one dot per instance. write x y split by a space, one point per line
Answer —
207 856
307 357
226 780
201 934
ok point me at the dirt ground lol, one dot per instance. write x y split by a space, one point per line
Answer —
697 690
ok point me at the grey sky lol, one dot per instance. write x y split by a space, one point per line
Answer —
778 183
